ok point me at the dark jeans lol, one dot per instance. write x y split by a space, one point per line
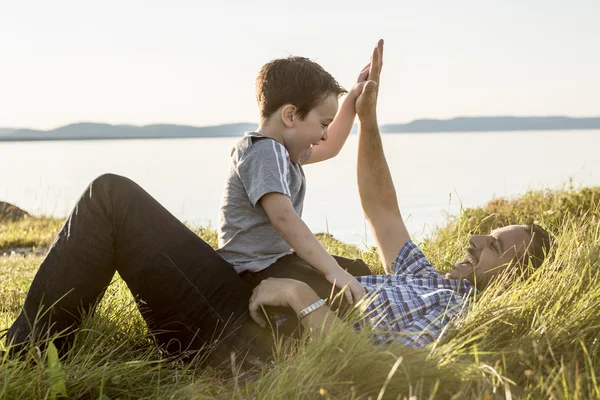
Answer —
185 291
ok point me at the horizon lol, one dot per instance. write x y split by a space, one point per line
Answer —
596 116
140 63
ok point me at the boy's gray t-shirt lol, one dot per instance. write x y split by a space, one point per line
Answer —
259 165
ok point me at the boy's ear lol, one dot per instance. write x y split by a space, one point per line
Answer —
288 114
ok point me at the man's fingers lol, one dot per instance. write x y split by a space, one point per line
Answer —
380 51
376 61
256 313
374 70
360 87
369 87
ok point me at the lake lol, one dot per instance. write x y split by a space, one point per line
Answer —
434 173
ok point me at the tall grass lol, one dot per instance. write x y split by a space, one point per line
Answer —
533 338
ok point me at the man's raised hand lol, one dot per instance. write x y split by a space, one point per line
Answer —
366 103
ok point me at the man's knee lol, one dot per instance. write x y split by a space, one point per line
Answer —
112 184
109 180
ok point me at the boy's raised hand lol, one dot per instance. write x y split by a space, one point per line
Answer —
353 290
357 87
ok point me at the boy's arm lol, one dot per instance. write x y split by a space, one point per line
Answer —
295 232
342 124
337 133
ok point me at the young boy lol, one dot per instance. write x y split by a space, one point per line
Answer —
260 229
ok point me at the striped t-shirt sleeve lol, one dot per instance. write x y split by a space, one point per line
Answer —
263 168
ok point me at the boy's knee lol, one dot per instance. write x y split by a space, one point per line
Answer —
354 266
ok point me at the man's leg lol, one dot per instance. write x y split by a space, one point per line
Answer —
378 195
186 292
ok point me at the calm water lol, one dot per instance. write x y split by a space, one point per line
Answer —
433 173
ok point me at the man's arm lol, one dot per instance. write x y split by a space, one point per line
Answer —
375 186
295 232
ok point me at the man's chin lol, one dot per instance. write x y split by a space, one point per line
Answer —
459 272
451 275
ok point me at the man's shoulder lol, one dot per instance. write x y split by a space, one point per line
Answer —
412 261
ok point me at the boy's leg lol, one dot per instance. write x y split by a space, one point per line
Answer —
186 292
355 267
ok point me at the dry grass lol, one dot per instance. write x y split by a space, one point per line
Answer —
533 339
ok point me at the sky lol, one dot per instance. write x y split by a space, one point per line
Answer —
194 62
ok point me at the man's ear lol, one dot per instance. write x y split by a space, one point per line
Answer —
288 114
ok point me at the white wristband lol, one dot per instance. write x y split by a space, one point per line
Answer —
314 306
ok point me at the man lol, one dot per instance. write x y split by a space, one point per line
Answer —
412 304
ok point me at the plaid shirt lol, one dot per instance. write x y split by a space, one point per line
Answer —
413 305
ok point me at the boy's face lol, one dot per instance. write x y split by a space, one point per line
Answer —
311 130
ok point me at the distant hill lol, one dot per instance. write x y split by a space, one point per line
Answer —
487 124
96 131
6 131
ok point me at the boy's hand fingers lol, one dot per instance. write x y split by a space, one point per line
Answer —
359 292
348 294
365 70
364 75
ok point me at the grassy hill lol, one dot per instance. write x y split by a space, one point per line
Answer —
536 338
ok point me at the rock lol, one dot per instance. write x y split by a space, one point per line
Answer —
23 251
10 213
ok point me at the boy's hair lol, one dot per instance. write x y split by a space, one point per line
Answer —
293 80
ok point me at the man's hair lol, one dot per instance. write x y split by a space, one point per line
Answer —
294 80
540 245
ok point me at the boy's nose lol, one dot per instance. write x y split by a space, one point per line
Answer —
324 137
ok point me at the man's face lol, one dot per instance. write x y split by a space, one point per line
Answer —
311 130
489 255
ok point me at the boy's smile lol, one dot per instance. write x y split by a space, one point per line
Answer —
311 130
